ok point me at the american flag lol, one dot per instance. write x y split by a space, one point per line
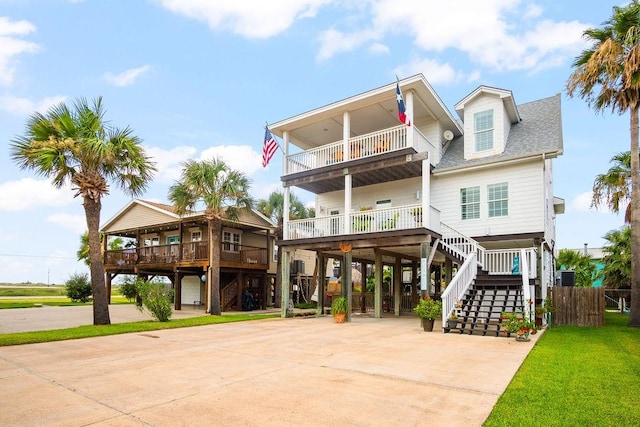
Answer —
269 148
402 111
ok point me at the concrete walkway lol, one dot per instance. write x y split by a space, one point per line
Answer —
274 372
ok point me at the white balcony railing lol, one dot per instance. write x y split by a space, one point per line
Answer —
368 145
504 261
368 221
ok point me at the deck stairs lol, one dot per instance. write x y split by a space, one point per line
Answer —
479 310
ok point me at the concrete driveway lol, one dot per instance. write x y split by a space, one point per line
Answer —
273 372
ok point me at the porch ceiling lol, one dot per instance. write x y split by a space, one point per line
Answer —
402 243
385 168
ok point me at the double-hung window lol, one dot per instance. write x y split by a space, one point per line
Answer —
231 241
470 202
483 130
498 198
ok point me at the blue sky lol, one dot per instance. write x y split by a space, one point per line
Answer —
197 78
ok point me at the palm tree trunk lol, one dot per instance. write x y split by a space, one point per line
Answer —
215 226
96 266
634 318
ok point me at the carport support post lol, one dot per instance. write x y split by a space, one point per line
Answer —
425 270
347 290
397 281
321 271
377 295
286 311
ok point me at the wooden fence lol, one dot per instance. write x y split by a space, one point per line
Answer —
577 306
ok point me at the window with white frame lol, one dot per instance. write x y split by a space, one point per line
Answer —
498 198
230 241
470 203
152 241
275 253
483 130
196 236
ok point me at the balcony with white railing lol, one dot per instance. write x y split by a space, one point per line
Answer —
365 221
362 146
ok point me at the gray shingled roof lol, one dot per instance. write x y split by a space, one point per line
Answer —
539 131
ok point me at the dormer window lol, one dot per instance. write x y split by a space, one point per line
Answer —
483 130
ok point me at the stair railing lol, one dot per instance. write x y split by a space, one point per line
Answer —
228 293
461 245
456 289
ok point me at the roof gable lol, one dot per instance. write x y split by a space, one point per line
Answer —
508 101
538 132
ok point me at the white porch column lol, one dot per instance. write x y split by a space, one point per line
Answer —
347 203
426 195
408 105
346 134
425 268
286 311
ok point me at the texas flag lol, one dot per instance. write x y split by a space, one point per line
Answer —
402 111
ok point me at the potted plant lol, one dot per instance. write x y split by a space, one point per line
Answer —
452 321
339 309
516 323
427 310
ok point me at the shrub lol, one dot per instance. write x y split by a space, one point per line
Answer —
78 287
129 289
155 298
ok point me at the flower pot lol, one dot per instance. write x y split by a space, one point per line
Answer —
427 324
452 323
340 317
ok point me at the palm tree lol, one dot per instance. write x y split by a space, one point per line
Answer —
581 264
617 259
77 146
608 76
223 193
613 189
273 208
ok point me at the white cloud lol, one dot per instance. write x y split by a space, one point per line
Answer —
499 35
333 41
24 106
11 46
435 72
74 223
127 77
168 162
240 157
247 18
378 48
29 193
581 202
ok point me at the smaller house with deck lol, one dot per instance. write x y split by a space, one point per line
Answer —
160 243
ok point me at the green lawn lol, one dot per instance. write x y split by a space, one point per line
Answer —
61 301
122 328
52 295
576 377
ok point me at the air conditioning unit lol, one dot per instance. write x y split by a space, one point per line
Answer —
297 266
565 278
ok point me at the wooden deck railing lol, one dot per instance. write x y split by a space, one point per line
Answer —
184 252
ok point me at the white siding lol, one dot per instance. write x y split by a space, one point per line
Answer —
140 216
483 103
399 192
526 210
